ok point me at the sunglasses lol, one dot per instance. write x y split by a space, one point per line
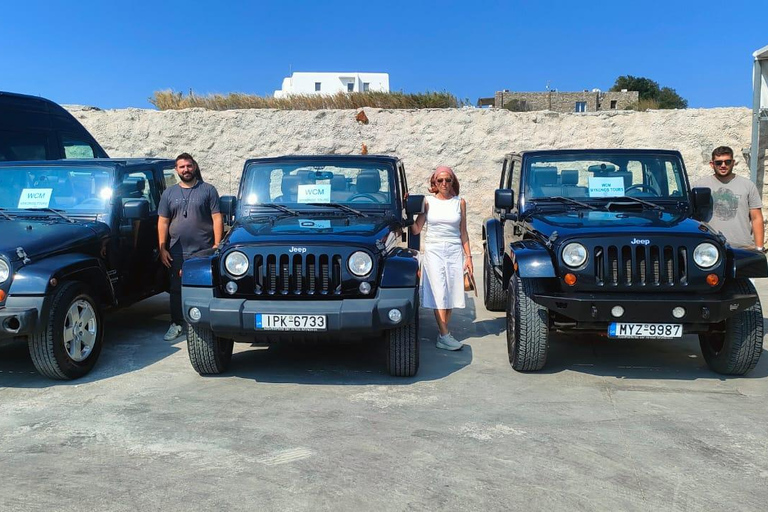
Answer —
718 163
444 180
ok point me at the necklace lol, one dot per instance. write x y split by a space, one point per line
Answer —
185 199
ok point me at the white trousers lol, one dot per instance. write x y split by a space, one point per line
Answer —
442 275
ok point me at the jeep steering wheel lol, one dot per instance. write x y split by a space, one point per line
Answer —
364 197
642 186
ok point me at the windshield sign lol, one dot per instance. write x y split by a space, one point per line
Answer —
73 189
599 176
356 184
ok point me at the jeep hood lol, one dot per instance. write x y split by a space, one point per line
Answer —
603 223
40 238
336 229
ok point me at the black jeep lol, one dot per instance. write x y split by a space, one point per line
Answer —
319 250
607 241
79 237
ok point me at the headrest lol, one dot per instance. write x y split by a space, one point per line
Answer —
602 168
569 177
307 176
132 186
338 182
544 175
290 185
368 182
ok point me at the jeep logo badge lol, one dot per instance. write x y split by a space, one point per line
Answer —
640 241
301 250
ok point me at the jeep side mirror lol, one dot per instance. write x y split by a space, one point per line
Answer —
227 205
504 199
414 205
136 209
702 202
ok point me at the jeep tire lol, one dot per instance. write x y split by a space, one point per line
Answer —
208 353
737 350
527 326
403 348
493 293
68 340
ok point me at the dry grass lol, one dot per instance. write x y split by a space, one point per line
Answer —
170 100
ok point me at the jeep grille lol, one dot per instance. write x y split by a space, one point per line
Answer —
296 274
629 265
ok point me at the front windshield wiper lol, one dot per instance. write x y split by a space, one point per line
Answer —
280 207
2 212
49 210
340 207
565 199
637 200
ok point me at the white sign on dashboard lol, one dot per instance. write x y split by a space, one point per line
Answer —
606 187
317 193
35 198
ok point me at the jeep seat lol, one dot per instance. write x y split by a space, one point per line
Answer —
569 178
544 182
289 187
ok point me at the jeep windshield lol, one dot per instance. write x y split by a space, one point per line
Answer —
606 177
324 187
54 190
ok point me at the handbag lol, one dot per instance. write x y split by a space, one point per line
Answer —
469 282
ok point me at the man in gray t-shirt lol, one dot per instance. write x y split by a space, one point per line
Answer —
189 213
736 204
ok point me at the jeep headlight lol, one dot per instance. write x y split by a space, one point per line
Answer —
236 263
5 271
574 255
706 255
360 263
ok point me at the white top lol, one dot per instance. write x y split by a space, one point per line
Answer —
443 220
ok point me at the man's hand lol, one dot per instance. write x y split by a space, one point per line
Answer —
165 257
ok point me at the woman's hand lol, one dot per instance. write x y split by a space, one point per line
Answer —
468 267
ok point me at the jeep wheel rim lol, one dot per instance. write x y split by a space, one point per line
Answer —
80 330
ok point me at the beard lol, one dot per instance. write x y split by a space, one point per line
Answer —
188 178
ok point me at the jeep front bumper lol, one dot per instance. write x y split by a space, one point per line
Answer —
646 307
236 318
19 316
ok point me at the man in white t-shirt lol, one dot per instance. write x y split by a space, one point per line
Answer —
736 204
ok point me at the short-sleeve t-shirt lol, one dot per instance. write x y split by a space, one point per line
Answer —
731 203
190 211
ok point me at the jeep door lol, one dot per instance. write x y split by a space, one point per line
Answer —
512 227
140 271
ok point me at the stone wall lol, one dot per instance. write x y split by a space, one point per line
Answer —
565 102
472 141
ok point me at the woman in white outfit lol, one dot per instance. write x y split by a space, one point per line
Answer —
446 252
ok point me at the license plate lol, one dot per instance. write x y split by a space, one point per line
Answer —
272 322
635 330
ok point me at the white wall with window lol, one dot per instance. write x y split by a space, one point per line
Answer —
332 83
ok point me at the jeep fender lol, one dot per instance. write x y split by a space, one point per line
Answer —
530 258
401 269
742 263
198 272
35 278
493 234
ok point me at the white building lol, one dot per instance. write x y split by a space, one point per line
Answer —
332 83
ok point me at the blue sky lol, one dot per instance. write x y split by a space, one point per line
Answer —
115 54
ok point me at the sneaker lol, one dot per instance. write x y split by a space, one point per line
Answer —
174 331
448 342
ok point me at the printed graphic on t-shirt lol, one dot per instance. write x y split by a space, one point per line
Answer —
725 204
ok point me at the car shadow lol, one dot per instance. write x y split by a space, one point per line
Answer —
133 340
360 363
636 359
